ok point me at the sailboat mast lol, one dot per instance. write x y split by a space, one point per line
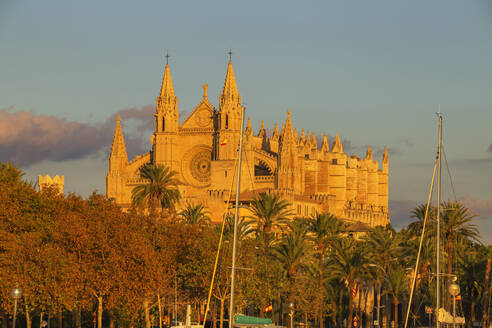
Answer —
236 213
438 230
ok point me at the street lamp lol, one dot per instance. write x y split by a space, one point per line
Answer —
454 290
16 294
291 313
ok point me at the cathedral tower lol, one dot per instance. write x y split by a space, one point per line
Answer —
166 116
228 118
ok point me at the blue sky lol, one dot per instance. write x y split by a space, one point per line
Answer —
373 71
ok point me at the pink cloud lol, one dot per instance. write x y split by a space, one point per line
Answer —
27 138
479 206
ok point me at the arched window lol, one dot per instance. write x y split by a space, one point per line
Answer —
227 121
163 124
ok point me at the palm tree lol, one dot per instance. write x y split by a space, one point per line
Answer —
195 214
349 263
269 211
323 229
291 253
397 284
456 226
160 189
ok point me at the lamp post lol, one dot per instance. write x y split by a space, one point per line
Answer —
16 294
291 314
454 290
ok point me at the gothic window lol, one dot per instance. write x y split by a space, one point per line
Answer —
227 121
163 123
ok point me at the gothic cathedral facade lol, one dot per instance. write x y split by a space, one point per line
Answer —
203 150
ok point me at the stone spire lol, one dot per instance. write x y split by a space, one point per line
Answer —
118 155
308 140
385 155
314 142
337 145
167 89
261 134
303 136
249 128
325 146
296 136
369 153
289 131
275 134
229 91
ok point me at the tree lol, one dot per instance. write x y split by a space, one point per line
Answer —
195 214
349 263
160 190
291 252
323 229
456 225
397 284
269 212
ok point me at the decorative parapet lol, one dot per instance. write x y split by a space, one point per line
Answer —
56 182
371 214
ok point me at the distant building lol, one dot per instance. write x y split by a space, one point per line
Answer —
203 150
56 182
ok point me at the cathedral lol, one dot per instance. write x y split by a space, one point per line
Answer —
203 150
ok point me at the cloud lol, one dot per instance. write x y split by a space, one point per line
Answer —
479 206
400 212
27 138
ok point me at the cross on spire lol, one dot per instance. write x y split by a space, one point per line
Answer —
167 57
230 54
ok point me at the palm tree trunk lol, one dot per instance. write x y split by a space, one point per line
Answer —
222 313
351 304
340 300
485 318
395 302
146 312
99 311
472 312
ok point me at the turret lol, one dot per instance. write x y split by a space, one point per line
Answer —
289 168
57 182
337 177
274 140
372 179
383 180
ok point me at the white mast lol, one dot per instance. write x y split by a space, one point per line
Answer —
438 232
236 212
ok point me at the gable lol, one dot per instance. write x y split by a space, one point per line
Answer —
200 118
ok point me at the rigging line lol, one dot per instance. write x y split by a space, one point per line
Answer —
449 172
207 309
431 188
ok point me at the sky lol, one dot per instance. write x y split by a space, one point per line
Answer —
373 71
